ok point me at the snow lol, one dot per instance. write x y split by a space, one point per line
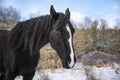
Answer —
106 73
79 72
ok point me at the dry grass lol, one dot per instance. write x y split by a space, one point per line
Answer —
48 58
81 41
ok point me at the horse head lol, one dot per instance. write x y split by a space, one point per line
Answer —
61 37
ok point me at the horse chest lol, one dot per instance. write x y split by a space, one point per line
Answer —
26 63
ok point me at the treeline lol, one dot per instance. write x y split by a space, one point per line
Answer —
97 36
104 39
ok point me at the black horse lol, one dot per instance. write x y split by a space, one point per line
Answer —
19 48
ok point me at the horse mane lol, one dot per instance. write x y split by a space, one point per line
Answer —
27 35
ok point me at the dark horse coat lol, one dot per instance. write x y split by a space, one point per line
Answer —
19 48
19 63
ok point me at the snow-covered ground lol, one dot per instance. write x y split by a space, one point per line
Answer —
79 72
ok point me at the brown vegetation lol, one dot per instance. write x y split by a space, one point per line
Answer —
48 58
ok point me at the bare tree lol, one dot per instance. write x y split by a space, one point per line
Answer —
94 33
117 34
88 22
103 28
103 24
117 23
13 14
9 14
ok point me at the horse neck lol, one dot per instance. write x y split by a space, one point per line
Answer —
44 32
31 35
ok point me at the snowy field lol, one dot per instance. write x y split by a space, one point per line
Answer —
79 72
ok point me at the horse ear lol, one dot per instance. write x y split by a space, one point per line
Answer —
67 13
53 12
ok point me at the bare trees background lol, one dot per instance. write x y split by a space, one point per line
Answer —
97 36
8 17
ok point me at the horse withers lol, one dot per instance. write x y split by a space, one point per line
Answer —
19 48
